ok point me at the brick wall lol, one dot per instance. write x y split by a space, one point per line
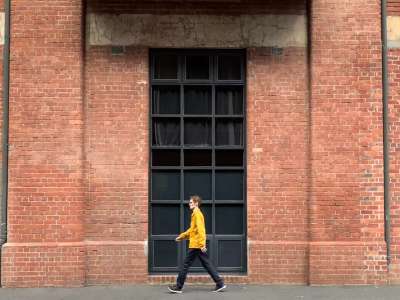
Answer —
1 107
277 162
393 7
277 104
347 163
394 109
79 149
46 207
116 121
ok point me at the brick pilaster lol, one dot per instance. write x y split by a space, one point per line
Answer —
347 232
46 193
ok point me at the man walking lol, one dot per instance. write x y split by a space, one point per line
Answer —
197 248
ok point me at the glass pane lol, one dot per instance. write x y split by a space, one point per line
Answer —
166 157
229 158
166 100
166 185
198 157
207 213
166 66
229 100
165 254
229 133
198 132
197 67
198 100
228 185
166 132
229 67
229 253
165 219
197 263
229 219
198 183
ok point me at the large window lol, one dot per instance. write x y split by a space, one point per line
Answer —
198 147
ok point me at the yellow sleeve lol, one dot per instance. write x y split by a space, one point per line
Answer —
201 229
185 235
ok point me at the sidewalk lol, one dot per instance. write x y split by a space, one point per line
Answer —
192 292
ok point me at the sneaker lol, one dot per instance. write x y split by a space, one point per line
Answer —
219 288
174 289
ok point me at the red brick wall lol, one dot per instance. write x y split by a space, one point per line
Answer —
46 173
79 150
393 7
1 104
347 236
116 121
277 162
394 109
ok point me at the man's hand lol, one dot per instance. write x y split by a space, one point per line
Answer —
178 239
204 249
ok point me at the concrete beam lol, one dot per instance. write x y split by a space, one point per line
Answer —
183 31
393 26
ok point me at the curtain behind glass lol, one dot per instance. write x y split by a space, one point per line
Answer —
229 67
166 132
166 100
198 132
229 133
229 101
197 100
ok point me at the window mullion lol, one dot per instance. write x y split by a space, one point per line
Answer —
213 244
201 158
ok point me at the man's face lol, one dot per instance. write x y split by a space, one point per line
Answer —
192 204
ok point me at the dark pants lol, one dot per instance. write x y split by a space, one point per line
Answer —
205 262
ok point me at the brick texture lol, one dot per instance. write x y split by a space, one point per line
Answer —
46 159
43 264
117 108
393 7
347 162
117 144
277 162
116 263
78 188
394 109
1 110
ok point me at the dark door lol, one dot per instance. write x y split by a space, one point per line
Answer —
197 147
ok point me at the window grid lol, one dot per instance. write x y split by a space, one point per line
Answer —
212 238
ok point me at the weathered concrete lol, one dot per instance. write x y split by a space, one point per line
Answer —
2 24
197 30
393 27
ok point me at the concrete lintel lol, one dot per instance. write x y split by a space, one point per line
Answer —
393 27
184 31
2 24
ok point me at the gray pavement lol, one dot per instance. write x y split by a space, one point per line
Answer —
201 292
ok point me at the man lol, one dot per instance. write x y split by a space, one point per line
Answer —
197 248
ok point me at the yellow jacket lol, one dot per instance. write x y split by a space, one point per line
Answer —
197 231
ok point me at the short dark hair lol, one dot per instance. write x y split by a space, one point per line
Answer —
197 199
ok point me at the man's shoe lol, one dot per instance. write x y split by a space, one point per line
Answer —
219 288
174 289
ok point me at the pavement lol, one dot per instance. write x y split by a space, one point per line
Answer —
203 292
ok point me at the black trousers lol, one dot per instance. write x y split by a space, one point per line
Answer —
205 262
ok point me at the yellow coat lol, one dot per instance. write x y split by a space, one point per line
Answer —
197 231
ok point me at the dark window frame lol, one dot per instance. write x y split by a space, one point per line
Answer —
213 81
